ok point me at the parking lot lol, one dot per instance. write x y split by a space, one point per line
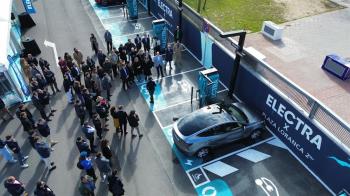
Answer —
261 167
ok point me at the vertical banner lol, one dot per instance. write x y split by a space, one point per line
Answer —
160 31
28 6
132 9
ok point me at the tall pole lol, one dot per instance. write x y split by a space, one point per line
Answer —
239 54
180 14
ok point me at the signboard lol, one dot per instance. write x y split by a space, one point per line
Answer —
132 9
162 9
337 66
28 6
208 83
310 144
160 31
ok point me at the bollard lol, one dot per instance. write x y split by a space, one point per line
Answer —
191 94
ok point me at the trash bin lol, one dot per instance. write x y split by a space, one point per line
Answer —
30 47
26 20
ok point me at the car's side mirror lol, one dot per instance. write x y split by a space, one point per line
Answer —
175 119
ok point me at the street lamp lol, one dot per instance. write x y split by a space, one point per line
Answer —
239 54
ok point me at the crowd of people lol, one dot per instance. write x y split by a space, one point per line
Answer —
87 83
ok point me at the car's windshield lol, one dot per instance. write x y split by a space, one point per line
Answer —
236 113
191 124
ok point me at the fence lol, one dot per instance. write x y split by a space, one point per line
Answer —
310 106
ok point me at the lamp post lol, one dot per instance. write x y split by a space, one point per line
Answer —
239 54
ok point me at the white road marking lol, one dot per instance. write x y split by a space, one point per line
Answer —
53 46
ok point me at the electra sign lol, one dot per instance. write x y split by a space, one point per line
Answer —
28 6
294 122
165 8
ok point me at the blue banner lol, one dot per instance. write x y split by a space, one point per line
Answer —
306 140
28 6
132 9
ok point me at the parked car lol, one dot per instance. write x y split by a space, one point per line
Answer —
212 126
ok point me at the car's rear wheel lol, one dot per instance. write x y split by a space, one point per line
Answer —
203 152
256 134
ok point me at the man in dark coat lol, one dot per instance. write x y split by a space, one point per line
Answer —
98 126
177 34
82 145
44 151
138 42
44 131
43 190
101 58
115 185
21 108
51 80
109 41
87 101
168 56
151 87
80 111
124 75
146 41
3 109
38 105
123 119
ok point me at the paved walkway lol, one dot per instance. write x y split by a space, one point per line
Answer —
147 163
301 52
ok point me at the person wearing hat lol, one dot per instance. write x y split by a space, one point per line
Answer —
151 87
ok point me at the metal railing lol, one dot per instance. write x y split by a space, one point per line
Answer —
333 126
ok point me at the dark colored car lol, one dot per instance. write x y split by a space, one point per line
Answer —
212 126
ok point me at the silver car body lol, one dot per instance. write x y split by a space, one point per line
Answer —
213 126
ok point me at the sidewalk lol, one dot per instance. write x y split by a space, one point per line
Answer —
301 52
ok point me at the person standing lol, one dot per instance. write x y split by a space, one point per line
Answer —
158 63
123 119
148 64
168 56
44 131
14 186
177 34
106 150
177 53
14 147
51 80
39 106
114 60
78 57
114 115
101 57
102 108
133 119
94 43
106 85
44 98
3 109
32 60
146 41
151 87
89 133
115 185
87 186
87 165
82 145
27 124
44 151
138 42
6 153
88 101
42 189
25 68
44 64
98 125
124 75
21 108
108 40
80 111
67 85
103 166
